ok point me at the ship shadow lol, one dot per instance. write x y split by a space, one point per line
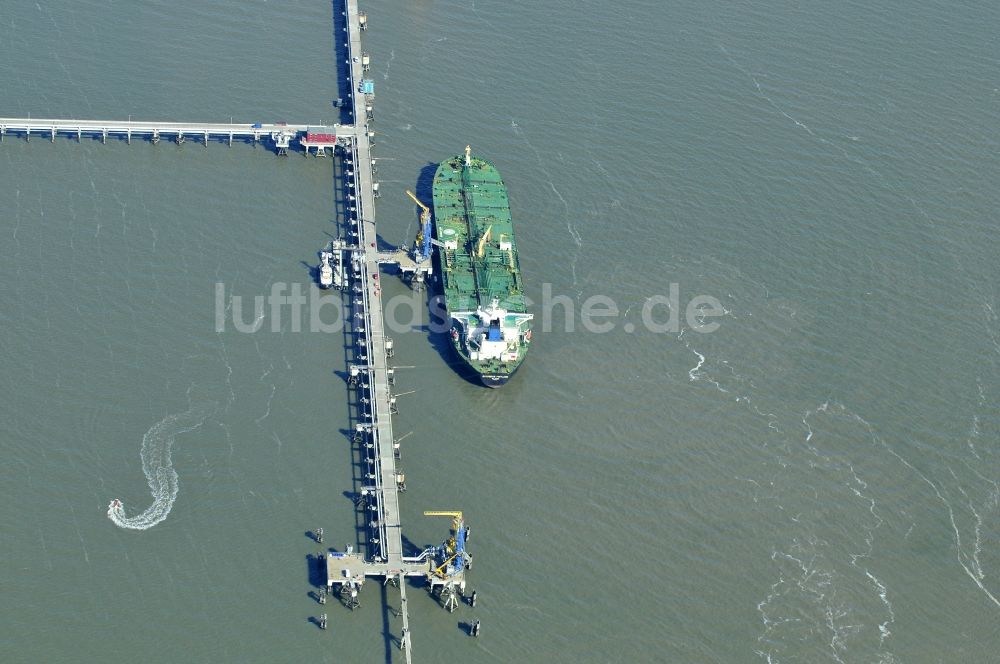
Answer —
312 271
425 182
441 342
438 331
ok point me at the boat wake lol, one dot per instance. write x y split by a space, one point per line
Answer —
159 470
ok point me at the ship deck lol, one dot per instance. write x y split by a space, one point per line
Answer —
471 207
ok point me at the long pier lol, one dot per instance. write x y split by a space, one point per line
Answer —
280 133
444 567
370 375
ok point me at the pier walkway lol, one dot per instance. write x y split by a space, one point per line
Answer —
370 374
280 133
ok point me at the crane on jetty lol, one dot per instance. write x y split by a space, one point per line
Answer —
422 246
451 560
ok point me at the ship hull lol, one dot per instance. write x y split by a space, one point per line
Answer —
480 273
495 381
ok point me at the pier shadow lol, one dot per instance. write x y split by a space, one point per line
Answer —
465 627
388 637
315 570
341 56
315 621
384 245
313 536
409 548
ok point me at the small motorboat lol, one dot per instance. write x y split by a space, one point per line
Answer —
325 269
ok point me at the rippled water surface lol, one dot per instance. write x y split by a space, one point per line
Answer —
815 481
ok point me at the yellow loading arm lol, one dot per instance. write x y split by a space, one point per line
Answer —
416 200
425 215
483 240
440 570
454 515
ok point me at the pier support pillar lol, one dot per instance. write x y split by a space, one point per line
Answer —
156 136
180 138
128 136
205 142
53 139
104 137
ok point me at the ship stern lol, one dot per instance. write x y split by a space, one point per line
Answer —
494 380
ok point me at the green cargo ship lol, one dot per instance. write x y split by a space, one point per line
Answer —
484 294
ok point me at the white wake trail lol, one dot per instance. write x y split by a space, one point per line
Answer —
159 470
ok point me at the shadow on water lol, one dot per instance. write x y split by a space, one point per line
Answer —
316 569
340 56
438 332
425 182
410 549
387 636
312 271
441 342
384 245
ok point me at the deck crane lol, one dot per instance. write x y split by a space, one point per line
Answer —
422 247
